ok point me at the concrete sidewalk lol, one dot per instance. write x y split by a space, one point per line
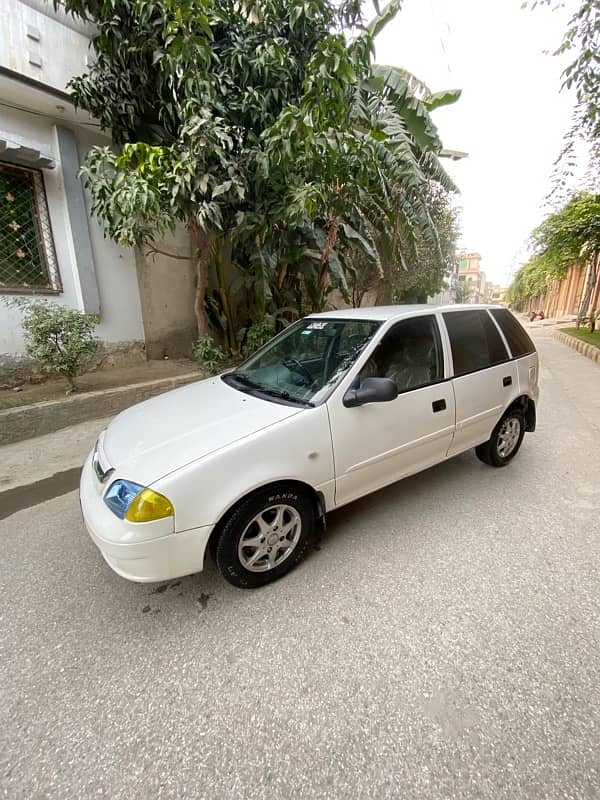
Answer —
37 419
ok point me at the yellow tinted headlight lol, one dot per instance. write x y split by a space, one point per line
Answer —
149 505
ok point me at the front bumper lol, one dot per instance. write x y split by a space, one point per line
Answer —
142 552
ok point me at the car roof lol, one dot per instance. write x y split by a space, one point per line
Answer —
384 313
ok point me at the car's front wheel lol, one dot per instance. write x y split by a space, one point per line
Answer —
505 441
265 537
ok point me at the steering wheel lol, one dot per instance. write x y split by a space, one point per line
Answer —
295 366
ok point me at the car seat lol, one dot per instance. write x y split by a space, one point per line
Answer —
414 365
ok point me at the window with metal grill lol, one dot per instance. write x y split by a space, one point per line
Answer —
27 259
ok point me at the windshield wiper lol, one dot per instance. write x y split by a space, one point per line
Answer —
241 379
284 395
261 389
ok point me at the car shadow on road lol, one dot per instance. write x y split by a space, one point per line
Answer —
412 493
208 587
448 485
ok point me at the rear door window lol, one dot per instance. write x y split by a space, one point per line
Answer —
519 342
474 340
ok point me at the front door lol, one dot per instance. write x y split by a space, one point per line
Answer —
378 443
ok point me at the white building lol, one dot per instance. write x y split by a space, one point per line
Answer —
49 244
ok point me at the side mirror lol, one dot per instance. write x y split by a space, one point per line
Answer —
371 390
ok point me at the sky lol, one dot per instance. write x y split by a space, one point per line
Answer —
511 117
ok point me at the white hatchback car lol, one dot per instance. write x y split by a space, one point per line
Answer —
336 406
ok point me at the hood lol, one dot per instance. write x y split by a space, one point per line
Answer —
156 437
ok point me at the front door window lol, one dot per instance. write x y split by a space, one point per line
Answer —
410 354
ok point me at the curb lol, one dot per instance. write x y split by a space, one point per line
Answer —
25 422
586 349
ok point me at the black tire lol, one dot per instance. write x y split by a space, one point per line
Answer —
491 451
242 522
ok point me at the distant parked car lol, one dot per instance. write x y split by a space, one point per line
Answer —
336 406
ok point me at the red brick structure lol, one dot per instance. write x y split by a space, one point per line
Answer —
563 297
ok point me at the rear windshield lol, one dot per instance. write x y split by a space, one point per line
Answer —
519 342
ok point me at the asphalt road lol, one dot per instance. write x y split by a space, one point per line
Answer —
444 642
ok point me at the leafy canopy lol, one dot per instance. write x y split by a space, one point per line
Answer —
264 128
569 236
566 238
581 41
191 91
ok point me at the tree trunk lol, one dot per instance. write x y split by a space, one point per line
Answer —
222 248
202 244
330 242
281 275
384 289
590 285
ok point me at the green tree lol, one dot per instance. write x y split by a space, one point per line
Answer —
419 271
187 89
567 237
263 128
581 41
464 292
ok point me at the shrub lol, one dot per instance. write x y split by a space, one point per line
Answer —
60 339
590 319
208 354
258 334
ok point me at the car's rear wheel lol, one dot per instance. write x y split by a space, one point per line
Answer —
265 537
505 441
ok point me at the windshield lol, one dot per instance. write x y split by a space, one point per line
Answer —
304 363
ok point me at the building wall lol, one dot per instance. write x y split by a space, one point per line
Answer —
470 272
469 262
115 269
141 301
167 288
42 44
498 294
563 297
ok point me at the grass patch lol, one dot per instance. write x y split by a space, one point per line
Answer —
585 335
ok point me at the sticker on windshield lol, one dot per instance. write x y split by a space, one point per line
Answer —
316 326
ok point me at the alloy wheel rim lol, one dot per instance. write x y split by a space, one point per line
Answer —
269 538
508 436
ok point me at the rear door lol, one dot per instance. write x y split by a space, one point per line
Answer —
522 350
485 378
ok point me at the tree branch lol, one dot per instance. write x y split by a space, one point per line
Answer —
152 250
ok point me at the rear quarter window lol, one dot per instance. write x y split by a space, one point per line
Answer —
474 340
519 342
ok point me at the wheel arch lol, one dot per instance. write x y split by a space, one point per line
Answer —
317 498
526 405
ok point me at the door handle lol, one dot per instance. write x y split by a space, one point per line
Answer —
438 405
507 381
